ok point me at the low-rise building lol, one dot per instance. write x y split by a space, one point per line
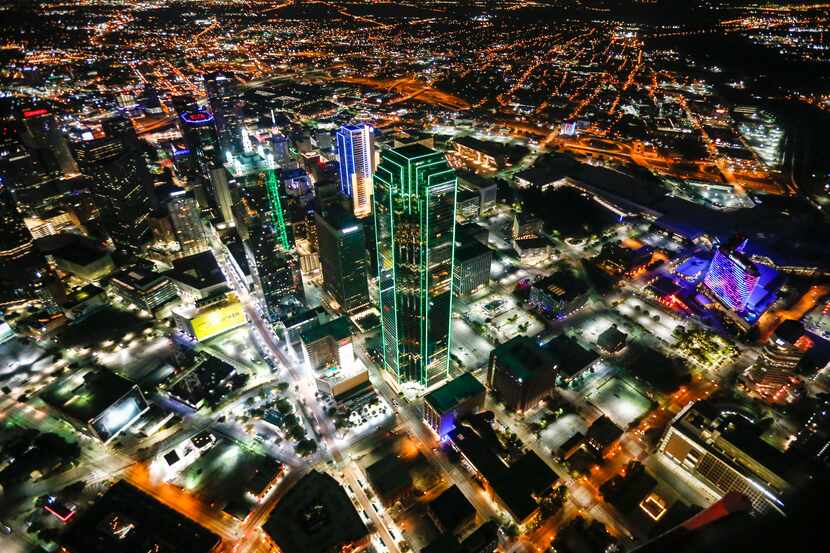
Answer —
143 288
83 302
100 402
197 277
521 373
127 520
315 516
517 487
451 511
572 360
527 225
612 340
457 398
471 271
559 294
210 317
718 446
83 260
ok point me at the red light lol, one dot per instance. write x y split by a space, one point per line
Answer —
65 518
35 113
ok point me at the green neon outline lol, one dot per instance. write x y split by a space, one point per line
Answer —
412 189
277 218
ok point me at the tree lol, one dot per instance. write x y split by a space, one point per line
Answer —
306 447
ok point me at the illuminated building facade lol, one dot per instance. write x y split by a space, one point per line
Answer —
716 445
44 140
225 103
275 269
343 259
187 224
275 272
199 132
121 183
356 152
21 266
731 278
414 206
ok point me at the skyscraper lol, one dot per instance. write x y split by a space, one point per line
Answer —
343 259
275 272
414 204
21 266
261 224
225 102
45 141
356 152
187 224
200 136
120 184
731 278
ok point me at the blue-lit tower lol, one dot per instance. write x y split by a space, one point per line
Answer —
356 152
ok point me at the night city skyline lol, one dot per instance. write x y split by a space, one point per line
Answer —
427 276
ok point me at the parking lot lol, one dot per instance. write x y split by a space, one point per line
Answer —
619 400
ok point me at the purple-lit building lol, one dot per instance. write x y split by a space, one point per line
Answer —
454 400
732 278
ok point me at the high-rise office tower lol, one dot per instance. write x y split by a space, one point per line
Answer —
120 185
261 223
21 266
356 152
261 193
184 103
187 224
45 142
276 274
225 100
223 194
343 259
731 278
200 136
26 179
282 154
414 205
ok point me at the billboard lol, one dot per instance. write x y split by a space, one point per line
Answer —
217 319
120 415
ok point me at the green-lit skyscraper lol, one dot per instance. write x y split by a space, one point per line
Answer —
414 207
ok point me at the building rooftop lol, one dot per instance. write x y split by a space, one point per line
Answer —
79 251
137 278
526 479
604 431
339 329
451 509
612 339
389 476
339 218
515 485
265 471
315 516
562 285
86 398
570 357
197 271
126 520
414 151
523 357
471 250
454 392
